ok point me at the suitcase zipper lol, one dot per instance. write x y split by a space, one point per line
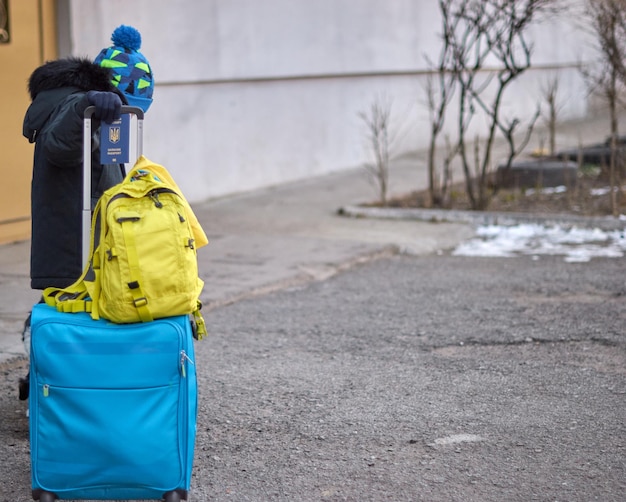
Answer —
46 390
183 359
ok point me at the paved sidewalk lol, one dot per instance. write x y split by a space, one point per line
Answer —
264 240
270 238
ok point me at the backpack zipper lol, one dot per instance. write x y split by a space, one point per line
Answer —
152 194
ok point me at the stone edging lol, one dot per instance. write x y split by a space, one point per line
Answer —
607 223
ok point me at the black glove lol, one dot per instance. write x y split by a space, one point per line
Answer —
108 105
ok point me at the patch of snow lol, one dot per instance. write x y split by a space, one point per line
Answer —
547 190
575 244
604 190
459 438
600 191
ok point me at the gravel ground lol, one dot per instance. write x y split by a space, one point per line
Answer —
433 378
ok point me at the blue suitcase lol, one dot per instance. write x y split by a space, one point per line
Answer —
112 407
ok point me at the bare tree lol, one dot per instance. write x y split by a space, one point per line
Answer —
438 180
550 93
608 75
481 32
377 120
439 92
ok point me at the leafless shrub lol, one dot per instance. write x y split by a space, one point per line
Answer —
439 89
378 119
608 75
550 95
478 32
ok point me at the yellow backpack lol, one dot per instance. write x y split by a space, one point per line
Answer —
143 263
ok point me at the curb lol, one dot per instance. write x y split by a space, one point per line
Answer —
606 223
304 276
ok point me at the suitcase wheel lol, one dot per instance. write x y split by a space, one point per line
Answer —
173 496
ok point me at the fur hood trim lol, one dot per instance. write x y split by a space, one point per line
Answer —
77 72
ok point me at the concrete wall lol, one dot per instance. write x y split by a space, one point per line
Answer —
251 93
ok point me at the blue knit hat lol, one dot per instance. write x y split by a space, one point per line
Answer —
130 70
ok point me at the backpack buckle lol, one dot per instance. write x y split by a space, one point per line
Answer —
140 302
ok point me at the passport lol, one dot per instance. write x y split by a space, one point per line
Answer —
115 141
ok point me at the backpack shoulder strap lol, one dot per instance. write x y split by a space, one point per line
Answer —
82 295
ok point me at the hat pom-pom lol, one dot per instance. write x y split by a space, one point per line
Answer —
127 37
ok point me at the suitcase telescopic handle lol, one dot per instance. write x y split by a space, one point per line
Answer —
87 131
135 110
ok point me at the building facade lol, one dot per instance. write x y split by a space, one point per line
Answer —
251 94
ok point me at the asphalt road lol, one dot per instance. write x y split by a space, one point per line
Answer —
425 378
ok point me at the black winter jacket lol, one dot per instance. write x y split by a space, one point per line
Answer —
54 122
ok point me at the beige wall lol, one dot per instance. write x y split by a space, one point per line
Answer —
251 93
32 41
